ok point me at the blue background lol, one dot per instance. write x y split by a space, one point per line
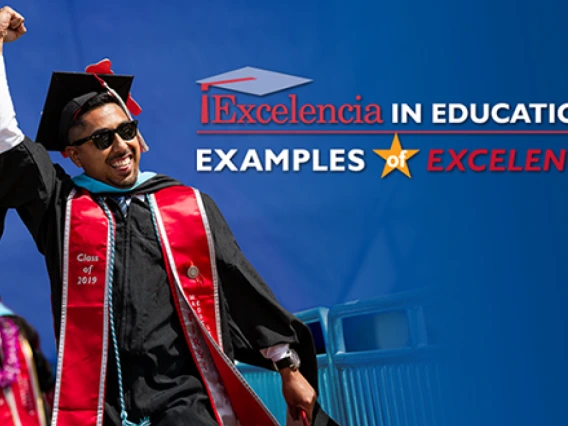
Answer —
494 241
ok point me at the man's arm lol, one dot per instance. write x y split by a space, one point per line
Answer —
11 28
28 178
265 324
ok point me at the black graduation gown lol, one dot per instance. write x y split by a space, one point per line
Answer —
160 378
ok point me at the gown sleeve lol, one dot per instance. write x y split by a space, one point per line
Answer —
256 318
27 176
28 183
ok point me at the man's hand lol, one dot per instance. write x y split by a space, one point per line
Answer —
11 25
298 393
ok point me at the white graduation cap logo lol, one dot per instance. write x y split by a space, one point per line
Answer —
253 81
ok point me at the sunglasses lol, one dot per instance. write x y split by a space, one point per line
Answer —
104 138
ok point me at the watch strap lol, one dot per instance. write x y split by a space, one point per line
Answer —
285 363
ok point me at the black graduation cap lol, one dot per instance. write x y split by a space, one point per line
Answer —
67 93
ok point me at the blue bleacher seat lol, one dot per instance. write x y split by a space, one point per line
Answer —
381 362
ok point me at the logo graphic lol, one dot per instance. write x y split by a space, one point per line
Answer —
227 109
230 114
396 157
253 81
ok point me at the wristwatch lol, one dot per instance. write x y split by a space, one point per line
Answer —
291 360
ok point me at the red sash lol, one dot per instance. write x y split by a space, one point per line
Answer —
188 248
83 336
187 244
21 404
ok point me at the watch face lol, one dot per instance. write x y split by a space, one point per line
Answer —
295 358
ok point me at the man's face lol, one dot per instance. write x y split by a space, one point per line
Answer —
116 165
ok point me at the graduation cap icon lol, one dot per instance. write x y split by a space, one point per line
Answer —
253 81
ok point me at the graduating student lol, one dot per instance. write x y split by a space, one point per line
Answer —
151 295
26 381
